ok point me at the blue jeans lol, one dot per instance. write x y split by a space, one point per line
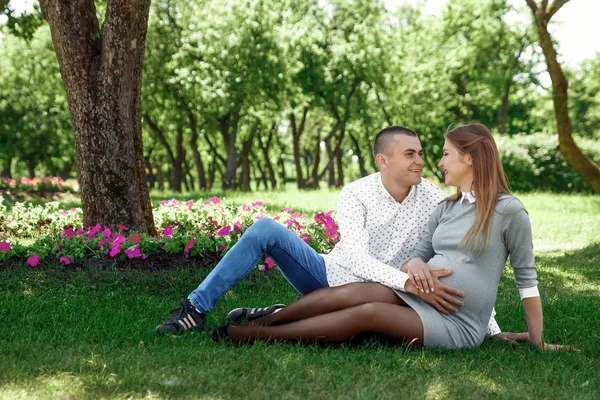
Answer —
302 266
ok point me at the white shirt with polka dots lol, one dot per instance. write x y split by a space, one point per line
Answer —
378 234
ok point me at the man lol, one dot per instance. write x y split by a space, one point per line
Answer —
381 219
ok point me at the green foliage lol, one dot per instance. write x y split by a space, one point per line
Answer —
533 163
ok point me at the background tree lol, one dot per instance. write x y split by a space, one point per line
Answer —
543 13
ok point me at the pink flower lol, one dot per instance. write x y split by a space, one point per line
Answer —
306 239
4 246
68 233
237 225
59 247
296 215
276 218
103 242
79 232
189 246
107 232
269 263
286 209
168 231
212 221
222 248
256 203
94 231
224 231
135 239
189 204
123 228
246 207
116 246
133 251
65 260
213 200
34 260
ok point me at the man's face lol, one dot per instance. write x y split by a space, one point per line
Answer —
405 166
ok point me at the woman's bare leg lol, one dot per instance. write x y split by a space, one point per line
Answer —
327 300
396 321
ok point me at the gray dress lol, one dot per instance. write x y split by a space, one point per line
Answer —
476 274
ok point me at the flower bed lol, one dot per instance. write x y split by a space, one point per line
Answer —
49 183
191 228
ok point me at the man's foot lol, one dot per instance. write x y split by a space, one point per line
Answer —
247 314
182 319
219 334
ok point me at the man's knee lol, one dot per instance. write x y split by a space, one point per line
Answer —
262 229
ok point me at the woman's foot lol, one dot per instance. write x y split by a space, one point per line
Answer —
219 334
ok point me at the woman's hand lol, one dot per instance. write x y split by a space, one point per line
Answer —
420 275
445 299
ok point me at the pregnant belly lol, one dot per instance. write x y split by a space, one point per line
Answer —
472 279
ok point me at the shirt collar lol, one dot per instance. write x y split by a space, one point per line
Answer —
470 196
385 194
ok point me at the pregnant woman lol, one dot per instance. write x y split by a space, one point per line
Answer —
469 238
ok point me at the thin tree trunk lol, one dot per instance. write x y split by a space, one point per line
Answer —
265 152
102 74
573 155
7 168
339 181
195 152
228 127
297 132
178 165
358 153
245 162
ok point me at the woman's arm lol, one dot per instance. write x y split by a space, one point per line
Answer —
535 320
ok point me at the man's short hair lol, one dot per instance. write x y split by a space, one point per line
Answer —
384 141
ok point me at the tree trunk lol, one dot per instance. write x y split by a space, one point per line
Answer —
228 127
296 134
573 155
102 75
30 167
158 133
7 168
149 173
265 152
178 165
339 180
212 173
358 152
196 152
245 162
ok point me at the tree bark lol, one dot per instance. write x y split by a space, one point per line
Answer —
195 152
228 127
178 164
358 152
102 75
158 133
573 155
245 162
265 153
7 168
297 132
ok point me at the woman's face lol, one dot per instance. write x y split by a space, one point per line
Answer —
457 168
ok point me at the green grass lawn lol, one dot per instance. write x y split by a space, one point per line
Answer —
90 334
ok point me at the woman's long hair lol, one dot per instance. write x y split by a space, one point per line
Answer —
489 180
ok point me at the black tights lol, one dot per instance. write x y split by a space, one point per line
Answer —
336 315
